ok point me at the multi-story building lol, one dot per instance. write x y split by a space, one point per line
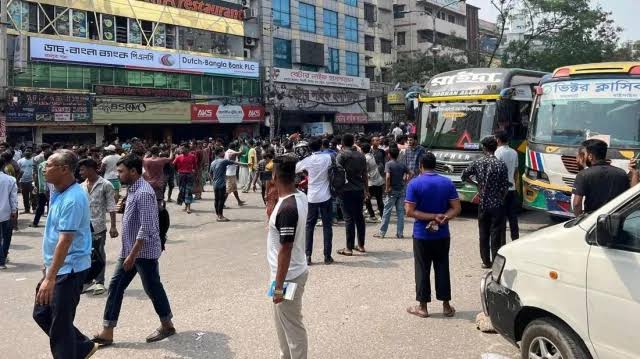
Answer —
84 71
313 53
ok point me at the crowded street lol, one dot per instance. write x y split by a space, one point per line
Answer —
216 276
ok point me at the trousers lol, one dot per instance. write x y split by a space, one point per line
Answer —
395 199
326 213
375 192
426 253
220 195
492 227
26 188
6 232
43 200
512 214
56 318
292 334
354 219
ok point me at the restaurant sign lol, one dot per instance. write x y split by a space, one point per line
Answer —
207 113
45 49
140 91
318 78
211 7
48 107
351 118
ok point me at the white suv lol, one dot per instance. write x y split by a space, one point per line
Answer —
572 290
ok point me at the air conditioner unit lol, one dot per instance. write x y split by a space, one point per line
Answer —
250 42
250 13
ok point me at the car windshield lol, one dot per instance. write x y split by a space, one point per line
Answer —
602 109
456 125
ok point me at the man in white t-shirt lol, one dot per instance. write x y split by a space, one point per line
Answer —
110 169
319 197
510 157
232 181
286 257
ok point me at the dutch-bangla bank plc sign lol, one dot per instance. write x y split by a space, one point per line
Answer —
211 7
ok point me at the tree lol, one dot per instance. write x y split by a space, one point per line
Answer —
504 7
562 33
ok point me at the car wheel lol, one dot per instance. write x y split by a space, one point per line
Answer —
549 338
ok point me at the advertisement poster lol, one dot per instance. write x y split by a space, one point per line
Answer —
43 49
204 113
127 110
48 107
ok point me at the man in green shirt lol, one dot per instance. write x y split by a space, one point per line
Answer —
252 164
243 177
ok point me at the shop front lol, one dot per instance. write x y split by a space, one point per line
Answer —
227 121
304 100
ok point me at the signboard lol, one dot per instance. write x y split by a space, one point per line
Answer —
317 128
596 88
207 113
128 110
52 50
351 118
317 78
466 83
48 107
140 91
396 98
3 129
211 7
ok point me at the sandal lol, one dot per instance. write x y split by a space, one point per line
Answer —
160 334
360 249
417 311
450 313
102 341
345 252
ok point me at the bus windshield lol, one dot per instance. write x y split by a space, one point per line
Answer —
456 125
573 111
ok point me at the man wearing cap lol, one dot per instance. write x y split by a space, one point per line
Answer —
109 169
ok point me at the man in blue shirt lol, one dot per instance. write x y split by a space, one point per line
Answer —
433 201
66 250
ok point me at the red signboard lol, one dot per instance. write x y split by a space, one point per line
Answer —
211 7
227 114
351 118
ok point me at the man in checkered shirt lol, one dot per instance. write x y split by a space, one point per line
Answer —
141 249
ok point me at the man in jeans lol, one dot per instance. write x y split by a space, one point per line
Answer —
394 188
66 251
490 175
26 179
354 193
8 212
375 183
141 249
101 202
319 197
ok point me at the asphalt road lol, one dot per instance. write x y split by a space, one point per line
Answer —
216 277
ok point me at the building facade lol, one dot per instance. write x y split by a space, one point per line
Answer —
87 71
314 59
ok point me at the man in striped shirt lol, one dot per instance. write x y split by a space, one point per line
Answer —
141 249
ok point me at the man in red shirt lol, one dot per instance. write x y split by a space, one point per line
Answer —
186 165
154 171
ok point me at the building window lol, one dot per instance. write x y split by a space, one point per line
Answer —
351 2
370 72
401 38
282 53
334 61
330 23
352 60
371 104
451 19
385 46
307 15
398 11
442 16
281 12
135 34
370 12
369 43
351 28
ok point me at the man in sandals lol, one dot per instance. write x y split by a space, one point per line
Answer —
432 200
141 249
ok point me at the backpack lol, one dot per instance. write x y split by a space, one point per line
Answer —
337 178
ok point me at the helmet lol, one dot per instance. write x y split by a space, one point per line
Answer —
302 150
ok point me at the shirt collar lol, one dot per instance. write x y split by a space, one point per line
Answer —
136 185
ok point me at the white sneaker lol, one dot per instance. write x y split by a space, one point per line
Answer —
99 289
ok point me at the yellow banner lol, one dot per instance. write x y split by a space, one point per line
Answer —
152 12
141 111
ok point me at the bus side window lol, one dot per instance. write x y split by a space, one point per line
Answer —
521 120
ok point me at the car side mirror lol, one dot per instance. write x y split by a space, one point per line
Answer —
607 229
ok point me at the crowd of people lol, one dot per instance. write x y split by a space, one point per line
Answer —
302 180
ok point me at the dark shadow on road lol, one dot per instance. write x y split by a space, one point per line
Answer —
188 344
14 267
30 234
20 247
378 259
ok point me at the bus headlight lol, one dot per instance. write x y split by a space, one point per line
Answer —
537 175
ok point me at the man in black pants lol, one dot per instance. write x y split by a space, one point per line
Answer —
354 193
491 176
432 200
218 171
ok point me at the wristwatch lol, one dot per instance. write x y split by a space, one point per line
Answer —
278 292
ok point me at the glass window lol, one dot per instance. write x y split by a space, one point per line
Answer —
147 30
385 46
353 63
334 61
75 77
369 43
370 72
207 88
121 29
159 79
133 78
282 53
79 23
160 37
216 84
401 38
58 74
451 19
330 23
236 89
41 75
92 77
351 2
281 11
135 34
370 12
62 24
19 13
185 82
108 27
146 79
351 28
398 11
226 87
24 78
173 81
46 13
106 76
307 15
196 84
120 77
